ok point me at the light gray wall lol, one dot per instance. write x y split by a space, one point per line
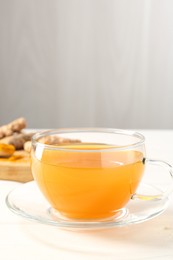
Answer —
69 63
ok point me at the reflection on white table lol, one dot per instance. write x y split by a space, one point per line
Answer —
153 239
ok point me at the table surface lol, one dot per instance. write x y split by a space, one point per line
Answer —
153 239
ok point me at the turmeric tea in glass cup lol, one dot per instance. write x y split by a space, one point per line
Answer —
90 174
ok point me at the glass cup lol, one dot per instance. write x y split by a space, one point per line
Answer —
91 174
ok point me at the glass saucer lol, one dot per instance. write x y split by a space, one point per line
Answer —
27 201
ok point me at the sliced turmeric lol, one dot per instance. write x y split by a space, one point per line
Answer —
6 150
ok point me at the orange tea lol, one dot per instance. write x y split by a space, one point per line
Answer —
87 181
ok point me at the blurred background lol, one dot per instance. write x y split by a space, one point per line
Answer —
95 63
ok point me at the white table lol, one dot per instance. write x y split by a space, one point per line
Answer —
23 239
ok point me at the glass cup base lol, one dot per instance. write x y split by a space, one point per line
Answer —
27 201
118 216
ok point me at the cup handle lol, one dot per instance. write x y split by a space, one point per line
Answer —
162 195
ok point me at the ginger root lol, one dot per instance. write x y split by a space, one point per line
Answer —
50 140
17 140
6 150
56 140
14 127
27 146
10 134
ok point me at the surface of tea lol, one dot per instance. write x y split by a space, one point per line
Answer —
87 181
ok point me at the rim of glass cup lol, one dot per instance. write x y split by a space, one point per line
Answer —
37 136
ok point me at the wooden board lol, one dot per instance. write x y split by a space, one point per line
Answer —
16 168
